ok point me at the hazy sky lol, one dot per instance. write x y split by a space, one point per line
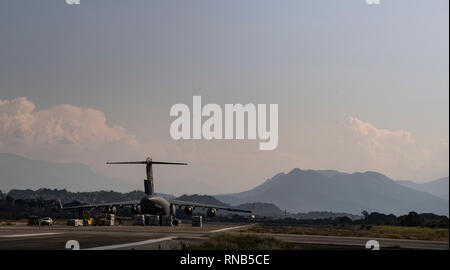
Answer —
359 87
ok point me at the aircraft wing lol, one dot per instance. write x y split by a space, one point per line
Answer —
200 205
111 204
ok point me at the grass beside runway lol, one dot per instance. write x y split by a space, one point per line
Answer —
381 231
223 241
226 241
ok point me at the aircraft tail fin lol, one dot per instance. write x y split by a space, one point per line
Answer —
148 183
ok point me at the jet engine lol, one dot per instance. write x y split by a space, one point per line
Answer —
188 210
211 212
135 209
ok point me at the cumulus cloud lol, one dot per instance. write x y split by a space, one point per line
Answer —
64 133
370 131
63 124
394 151
381 144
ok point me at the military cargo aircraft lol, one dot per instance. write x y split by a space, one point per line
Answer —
155 204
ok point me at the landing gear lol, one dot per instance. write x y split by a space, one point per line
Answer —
176 222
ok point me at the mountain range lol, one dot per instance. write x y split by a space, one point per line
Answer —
297 191
17 172
437 187
309 190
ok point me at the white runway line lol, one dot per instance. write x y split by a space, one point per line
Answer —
27 235
231 228
151 241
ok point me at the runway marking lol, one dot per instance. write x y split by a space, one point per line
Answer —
27 235
151 241
231 228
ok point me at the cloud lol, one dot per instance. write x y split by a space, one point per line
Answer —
64 133
381 144
370 131
394 152
63 124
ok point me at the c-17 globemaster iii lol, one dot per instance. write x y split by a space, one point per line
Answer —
153 203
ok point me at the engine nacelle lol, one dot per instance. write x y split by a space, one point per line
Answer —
211 212
135 209
188 210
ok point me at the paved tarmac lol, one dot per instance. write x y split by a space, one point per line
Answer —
150 238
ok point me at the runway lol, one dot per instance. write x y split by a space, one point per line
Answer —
153 238
105 237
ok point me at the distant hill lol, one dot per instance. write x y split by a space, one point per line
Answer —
308 190
325 215
83 197
437 187
17 172
263 209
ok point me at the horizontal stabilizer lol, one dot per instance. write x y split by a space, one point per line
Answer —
128 162
147 162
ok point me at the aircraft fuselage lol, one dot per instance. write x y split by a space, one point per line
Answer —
156 205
